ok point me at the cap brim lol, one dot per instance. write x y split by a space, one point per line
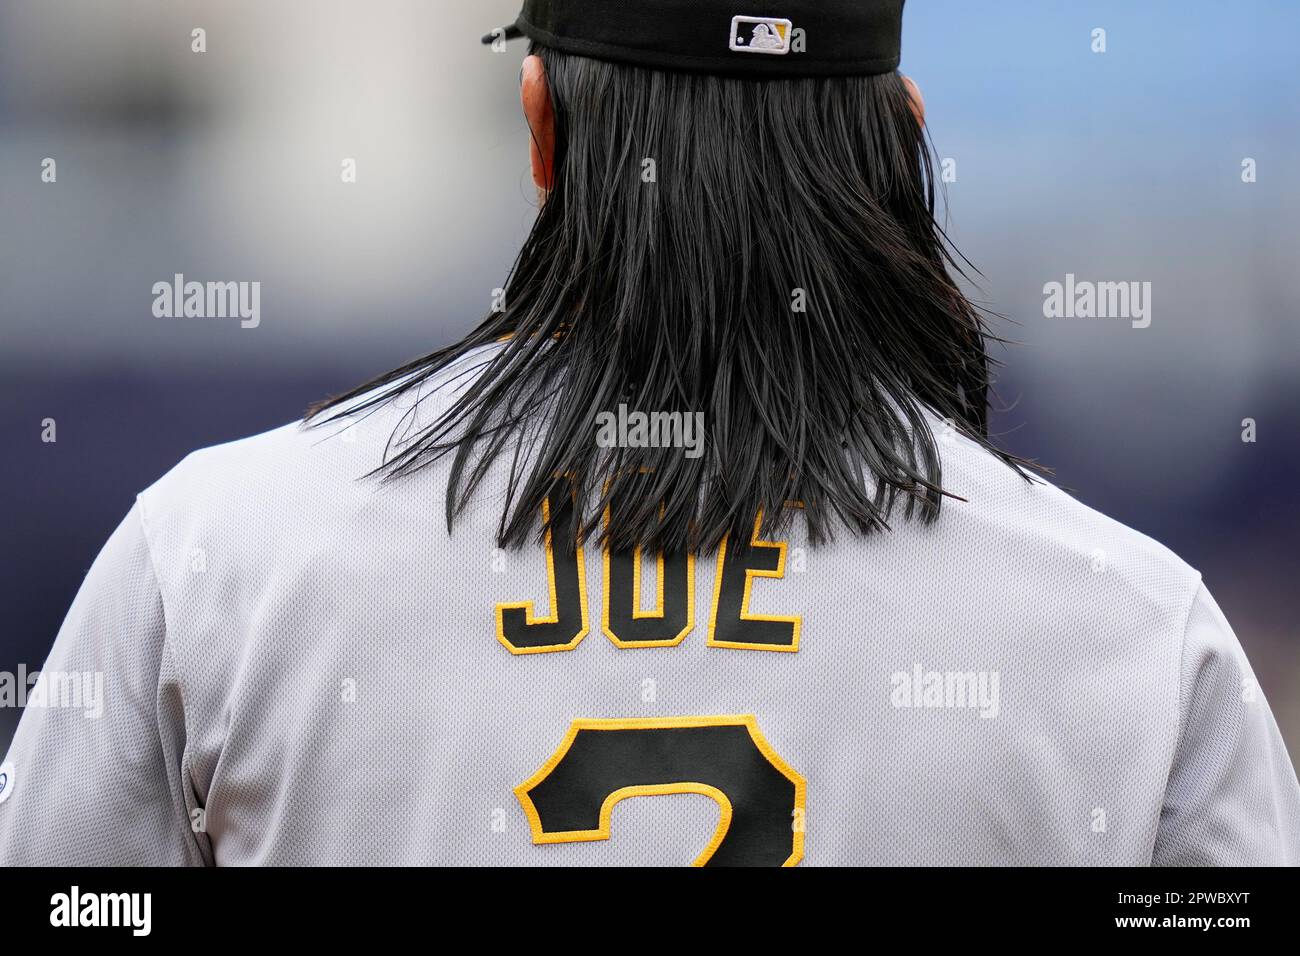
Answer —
511 32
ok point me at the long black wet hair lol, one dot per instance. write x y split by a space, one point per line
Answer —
780 270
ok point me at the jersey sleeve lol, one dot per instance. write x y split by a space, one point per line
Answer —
95 774
1232 797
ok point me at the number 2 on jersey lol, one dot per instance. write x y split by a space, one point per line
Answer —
603 762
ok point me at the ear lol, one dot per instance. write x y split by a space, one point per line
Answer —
918 101
536 99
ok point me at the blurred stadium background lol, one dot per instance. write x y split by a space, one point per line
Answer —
226 166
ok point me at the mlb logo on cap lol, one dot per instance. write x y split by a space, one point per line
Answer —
761 35
854 37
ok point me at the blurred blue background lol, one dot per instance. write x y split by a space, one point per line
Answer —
225 165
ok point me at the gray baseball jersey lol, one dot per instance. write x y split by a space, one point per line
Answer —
277 661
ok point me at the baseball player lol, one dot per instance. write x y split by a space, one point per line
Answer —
694 550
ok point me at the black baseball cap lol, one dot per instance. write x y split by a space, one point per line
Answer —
754 38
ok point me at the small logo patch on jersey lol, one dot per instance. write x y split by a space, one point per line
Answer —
6 780
761 35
